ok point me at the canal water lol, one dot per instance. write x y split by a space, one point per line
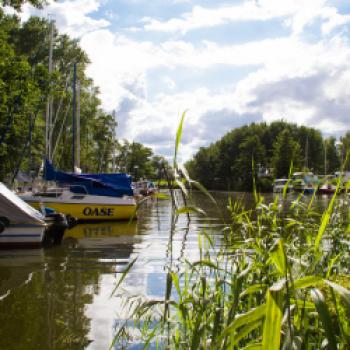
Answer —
60 297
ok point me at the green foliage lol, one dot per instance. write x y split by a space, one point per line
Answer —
264 286
25 85
269 284
17 4
345 150
227 163
19 102
286 151
138 160
332 156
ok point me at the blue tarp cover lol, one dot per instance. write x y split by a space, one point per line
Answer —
116 185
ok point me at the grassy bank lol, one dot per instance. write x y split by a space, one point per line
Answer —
278 280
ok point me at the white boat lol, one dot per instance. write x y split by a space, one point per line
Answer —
20 224
280 184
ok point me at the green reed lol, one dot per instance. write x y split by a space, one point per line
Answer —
278 280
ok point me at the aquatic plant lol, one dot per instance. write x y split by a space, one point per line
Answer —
278 279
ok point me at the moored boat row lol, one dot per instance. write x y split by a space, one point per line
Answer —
308 183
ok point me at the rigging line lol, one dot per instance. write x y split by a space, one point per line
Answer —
59 106
61 129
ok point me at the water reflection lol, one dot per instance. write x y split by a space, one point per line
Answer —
46 293
59 298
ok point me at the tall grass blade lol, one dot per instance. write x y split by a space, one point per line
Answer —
242 319
278 257
273 320
244 331
124 274
324 222
189 210
178 137
325 317
307 281
253 347
343 292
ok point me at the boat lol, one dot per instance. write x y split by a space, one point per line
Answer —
328 184
144 188
22 225
84 207
87 197
305 182
327 188
279 185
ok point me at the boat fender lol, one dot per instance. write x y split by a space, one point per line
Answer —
72 221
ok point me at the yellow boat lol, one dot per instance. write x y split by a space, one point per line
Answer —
84 207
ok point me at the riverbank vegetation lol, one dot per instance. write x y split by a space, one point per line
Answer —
278 279
227 163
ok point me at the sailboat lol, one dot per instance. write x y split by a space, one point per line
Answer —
85 196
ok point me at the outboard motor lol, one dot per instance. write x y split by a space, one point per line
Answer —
57 224
3 223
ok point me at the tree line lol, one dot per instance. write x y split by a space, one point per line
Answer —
26 85
265 151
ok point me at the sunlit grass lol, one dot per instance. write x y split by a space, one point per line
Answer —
277 281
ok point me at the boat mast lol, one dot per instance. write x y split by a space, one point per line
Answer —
114 135
306 164
325 157
74 117
49 104
77 161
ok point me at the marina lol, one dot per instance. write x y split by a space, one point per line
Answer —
174 175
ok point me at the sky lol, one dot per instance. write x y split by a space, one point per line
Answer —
227 63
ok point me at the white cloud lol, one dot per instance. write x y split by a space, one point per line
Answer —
71 16
297 14
289 70
293 79
300 11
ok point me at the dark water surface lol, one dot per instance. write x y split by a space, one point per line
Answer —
60 297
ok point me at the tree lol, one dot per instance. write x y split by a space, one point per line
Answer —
135 159
332 156
345 151
286 152
17 4
252 154
20 101
25 84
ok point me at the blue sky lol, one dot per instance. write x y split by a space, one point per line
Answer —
228 62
